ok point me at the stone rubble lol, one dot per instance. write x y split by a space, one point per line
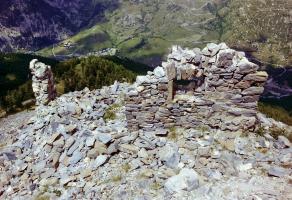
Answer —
69 149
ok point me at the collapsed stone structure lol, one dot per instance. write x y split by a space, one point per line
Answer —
42 82
72 149
216 87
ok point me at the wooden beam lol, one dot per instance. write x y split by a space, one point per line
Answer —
170 91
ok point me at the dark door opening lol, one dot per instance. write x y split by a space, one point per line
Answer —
188 86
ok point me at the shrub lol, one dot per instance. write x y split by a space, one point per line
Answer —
260 130
172 135
155 186
116 178
276 131
126 167
110 113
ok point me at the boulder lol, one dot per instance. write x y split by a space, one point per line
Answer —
159 72
100 160
213 48
246 67
169 155
260 76
187 180
285 141
142 79
253 91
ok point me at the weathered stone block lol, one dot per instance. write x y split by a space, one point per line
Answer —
253 91
246 67
256 77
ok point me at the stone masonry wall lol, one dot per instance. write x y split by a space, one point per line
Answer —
227 98
42 82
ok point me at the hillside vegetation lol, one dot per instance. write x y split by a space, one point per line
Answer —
15 80
262 27
277 112
70 75
92 72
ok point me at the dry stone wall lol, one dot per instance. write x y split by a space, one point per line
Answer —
223 91
42 82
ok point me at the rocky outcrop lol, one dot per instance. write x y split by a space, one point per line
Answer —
222 91
43 84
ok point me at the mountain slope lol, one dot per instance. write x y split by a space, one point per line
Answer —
261 27
145 29
30 25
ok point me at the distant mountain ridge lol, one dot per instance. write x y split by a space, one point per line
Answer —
145 30
30 25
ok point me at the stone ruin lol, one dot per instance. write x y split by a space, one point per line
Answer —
42 82
215 88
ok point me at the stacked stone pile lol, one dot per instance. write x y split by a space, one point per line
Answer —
228 89
42 82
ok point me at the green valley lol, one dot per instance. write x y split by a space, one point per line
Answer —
145 30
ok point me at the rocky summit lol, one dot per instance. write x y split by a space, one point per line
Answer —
79 146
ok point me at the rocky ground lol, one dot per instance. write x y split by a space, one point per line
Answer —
78 147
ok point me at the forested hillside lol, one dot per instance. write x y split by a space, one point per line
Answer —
74 74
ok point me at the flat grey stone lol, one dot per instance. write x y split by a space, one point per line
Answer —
169 155
161 132
73 148
90 141
100 160
104 137
284 140
187 180
76 157
278 171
